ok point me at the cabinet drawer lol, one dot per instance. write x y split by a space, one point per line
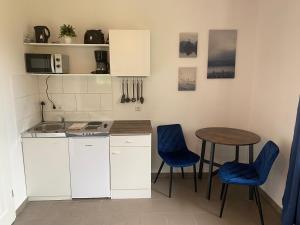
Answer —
131 140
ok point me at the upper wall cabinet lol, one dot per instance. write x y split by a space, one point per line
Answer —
129 52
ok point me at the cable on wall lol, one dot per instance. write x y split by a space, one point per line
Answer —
47 86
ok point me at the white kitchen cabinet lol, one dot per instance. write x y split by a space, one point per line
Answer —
130 166
47 168
129 52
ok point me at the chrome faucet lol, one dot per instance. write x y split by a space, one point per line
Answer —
62 120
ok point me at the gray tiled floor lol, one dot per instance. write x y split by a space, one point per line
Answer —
184 208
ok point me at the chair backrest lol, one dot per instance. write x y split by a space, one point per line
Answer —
265 160
170 138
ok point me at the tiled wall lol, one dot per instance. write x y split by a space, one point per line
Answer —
26 94
77 98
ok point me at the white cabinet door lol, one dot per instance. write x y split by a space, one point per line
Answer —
130 168
89 163
129 52
47 167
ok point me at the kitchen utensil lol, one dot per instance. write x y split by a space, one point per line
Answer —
133 95
123 99
137 90
142 98
127 98
42 34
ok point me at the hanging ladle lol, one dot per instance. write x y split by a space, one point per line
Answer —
142 98
123 90
127 99
133 95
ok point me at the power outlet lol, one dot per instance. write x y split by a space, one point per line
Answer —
138 108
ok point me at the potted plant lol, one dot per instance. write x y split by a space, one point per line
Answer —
67 32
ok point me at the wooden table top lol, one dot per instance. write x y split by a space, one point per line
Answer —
227 136
122 127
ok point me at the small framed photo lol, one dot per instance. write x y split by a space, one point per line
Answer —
188 45
187 78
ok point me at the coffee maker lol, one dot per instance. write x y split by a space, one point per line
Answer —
102 65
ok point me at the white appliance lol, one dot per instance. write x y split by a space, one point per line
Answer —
89 164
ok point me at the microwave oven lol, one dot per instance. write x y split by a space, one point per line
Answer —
46 63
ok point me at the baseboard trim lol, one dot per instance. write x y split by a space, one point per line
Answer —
272 203
21 207
47 198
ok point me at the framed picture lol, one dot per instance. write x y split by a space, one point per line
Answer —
221 54
188 44
187 78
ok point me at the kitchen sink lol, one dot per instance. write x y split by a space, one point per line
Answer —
49 127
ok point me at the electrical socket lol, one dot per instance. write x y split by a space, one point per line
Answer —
138 108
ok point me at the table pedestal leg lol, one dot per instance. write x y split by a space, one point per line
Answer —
211 163
202 159
237 153
250 161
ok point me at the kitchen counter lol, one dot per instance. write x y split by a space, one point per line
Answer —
123 127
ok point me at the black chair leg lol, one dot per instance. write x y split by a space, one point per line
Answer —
159 170
202 159
222 191
223 200
256 193
182 172
195 177
171 177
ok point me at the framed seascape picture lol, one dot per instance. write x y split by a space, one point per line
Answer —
188 44
187 78
221 54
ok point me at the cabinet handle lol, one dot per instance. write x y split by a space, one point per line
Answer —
88 145
115 152
129 141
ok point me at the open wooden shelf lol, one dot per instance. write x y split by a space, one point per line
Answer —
70 74
66 45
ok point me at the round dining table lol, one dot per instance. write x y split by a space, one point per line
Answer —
224 136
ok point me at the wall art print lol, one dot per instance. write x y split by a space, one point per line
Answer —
187 78
188 44
221 54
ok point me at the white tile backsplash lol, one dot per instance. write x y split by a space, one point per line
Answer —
64 102
75 85
77 98
99 85
24 85
55 84
106 102
88 102
54 116
77 116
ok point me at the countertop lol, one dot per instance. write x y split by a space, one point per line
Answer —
123 127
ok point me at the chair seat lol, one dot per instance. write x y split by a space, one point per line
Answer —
180 158
239 173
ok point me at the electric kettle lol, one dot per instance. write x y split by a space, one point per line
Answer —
42 34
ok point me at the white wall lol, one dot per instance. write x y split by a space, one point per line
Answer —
20 107
215 102
276 85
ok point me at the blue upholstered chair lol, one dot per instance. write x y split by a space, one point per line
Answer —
252 175
174 152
